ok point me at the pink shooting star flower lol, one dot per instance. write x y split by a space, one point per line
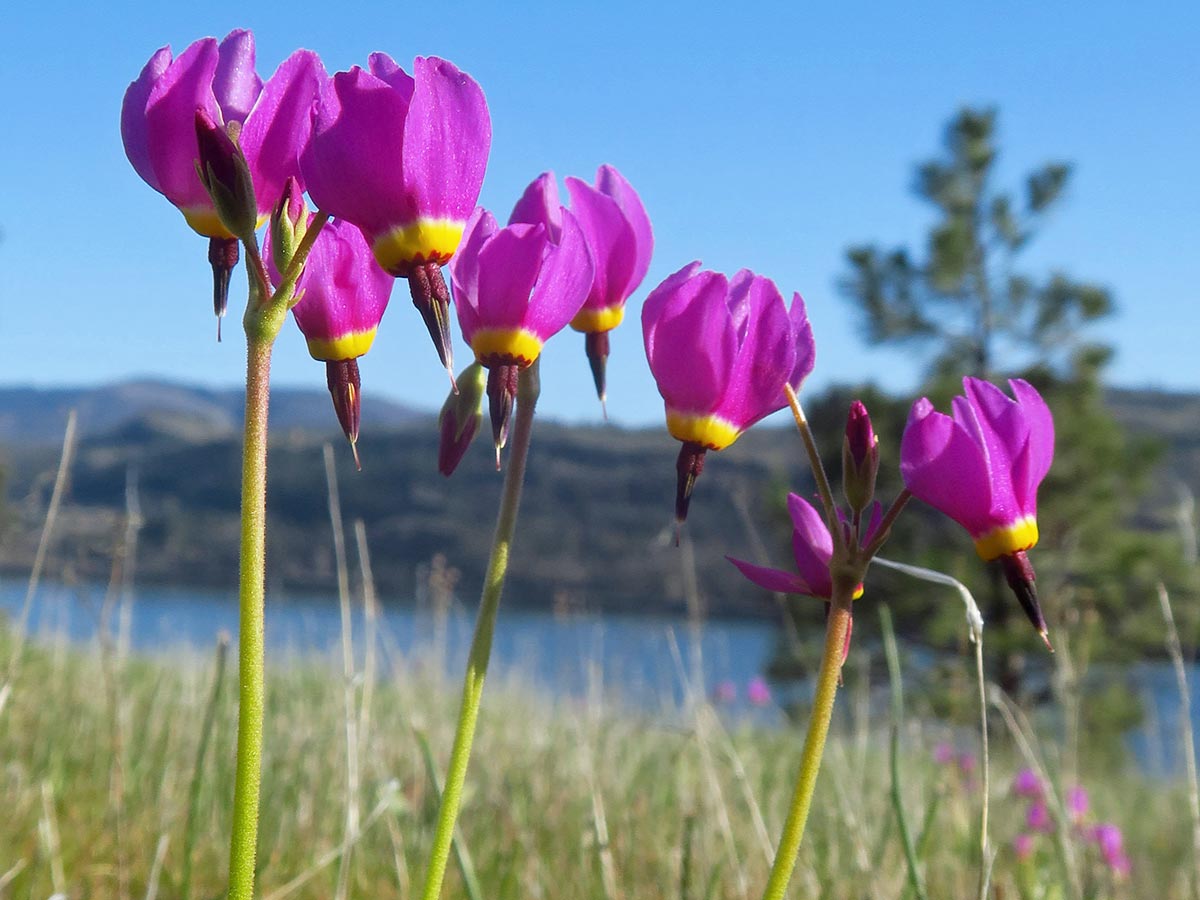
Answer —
982 467
620 239
944 753
270 122
812 547
343 294
721 351
1023 846
1037 817
402 157
514 288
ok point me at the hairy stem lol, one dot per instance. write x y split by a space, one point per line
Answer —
485 623
814 740
244 838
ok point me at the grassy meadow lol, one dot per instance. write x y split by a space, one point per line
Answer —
116 773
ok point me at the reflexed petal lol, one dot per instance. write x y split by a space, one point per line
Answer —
812 546
806 348
564 282
539 205
385 68
236 85
609 181
352 167
184 87
446 140
767 353
611 240
1041 438
509 263
690 342
280 125
944 467
773 579
133 115
464 268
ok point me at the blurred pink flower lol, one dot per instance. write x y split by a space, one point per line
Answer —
725 692
757 691
1023 846
1110 841
943 753
1027 784
1037 818
1077 803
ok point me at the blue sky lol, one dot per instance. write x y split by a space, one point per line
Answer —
760 136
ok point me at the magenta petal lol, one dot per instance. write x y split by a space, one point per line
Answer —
812 546
509 263
945 468
690 339
563 283
184 87
352 167
133 115
236 84
344 289
385 68
464 269
773 579
446 140
540 205
766 355
1041 433
609 181
280 126
806 347
611 240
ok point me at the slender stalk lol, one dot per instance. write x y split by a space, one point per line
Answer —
244 837
886 523
814 741
814 458
485 623
916 882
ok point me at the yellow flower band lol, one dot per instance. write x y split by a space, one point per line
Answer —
204 221
593 321
709 431
348 346
505 346
858 592
1007 539
423 241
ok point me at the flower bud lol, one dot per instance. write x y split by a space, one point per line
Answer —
289 223
860 458
225 175
459 419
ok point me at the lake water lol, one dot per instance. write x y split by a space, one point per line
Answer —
632 654
641 660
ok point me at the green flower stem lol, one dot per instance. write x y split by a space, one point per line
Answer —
481 644
814 740
265 315
244 838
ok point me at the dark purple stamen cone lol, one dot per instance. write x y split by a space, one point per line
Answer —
346 390
596 345
223 255
688 468
501 391
431 297
1018 572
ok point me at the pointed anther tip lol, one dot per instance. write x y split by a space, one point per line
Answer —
453 381
1045 636
354 450
219 329
498 446
604 407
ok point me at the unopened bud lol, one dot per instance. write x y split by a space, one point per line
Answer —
860 458
289 223
460 417
226 176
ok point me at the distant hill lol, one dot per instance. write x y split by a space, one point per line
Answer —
32 416
596 528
